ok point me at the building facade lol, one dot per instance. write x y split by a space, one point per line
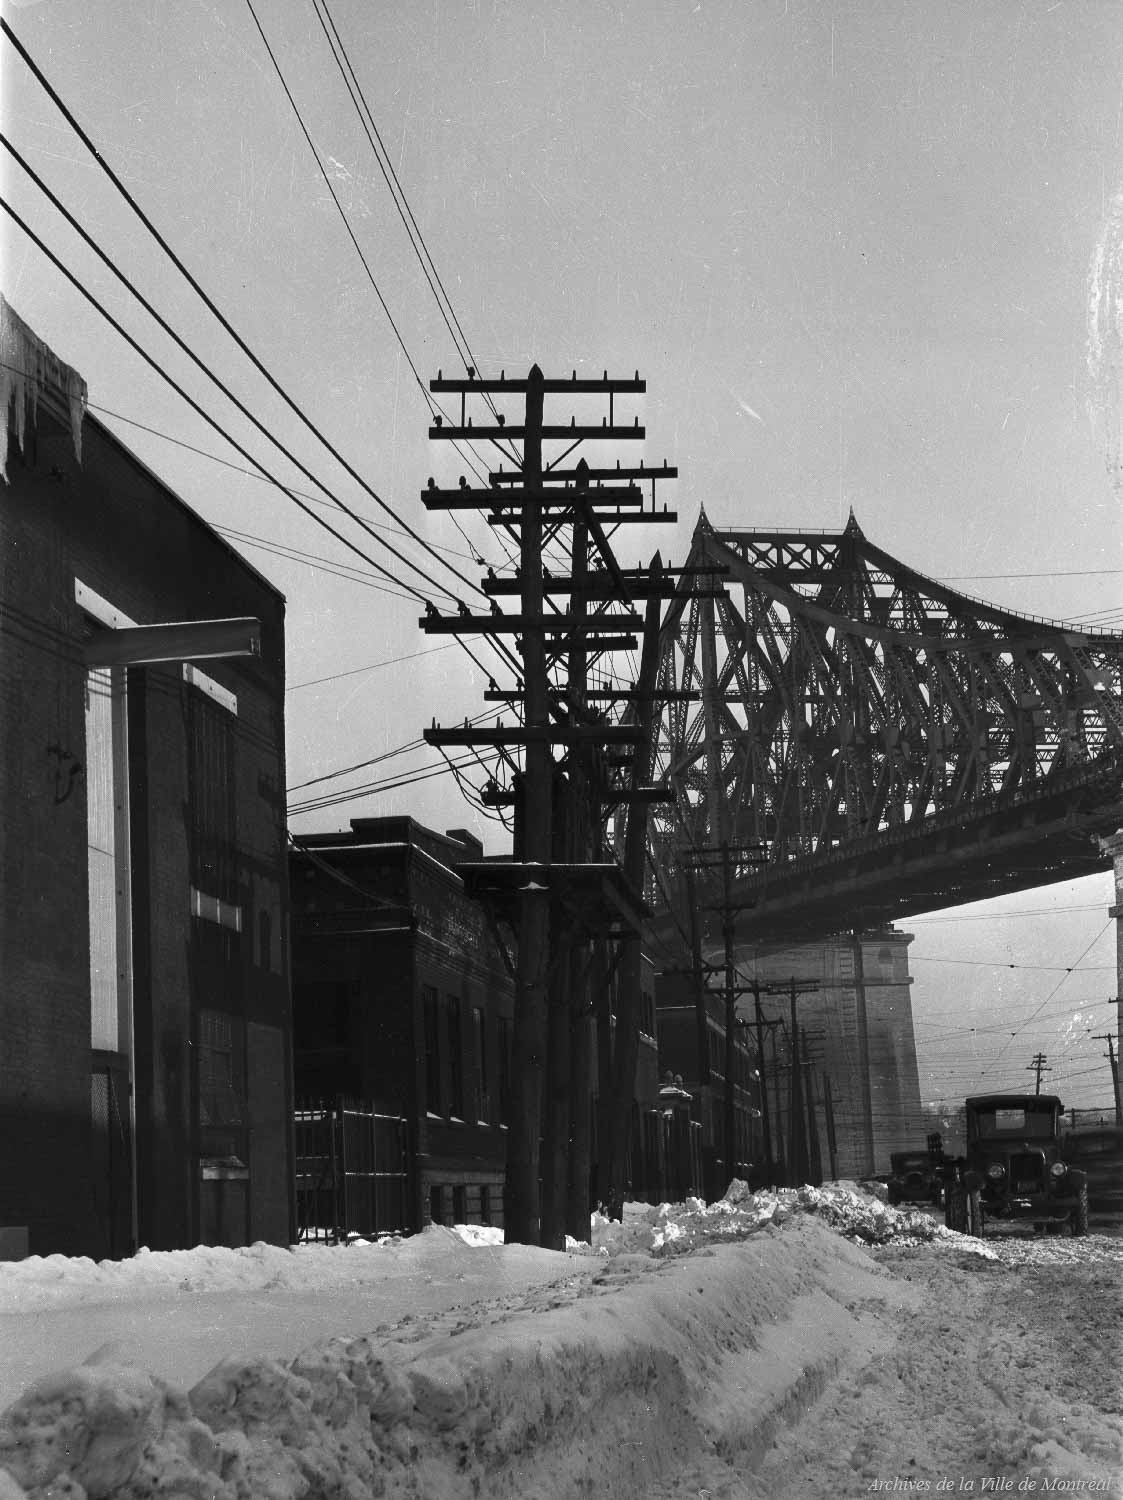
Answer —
144 995
859 1086
401 997
403 1001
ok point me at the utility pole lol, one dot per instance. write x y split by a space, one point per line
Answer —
1038 1066
548 874
798 1157
757 989
832 1139
1114 1062
814 1150
723 854
862 1018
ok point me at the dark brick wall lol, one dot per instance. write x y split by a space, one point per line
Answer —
110 523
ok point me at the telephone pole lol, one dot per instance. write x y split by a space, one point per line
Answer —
549 876
1038 1066
1114 1062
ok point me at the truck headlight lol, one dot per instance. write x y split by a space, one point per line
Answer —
1058 1169
996 1171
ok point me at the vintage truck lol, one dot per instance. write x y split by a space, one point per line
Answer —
915 1177
1014 1169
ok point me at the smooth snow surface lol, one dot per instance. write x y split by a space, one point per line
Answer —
791 1344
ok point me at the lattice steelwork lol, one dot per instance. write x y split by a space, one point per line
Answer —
865 741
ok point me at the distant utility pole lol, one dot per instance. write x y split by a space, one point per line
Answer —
828 1111
799 1156
1038 1066
723 856
1114 1061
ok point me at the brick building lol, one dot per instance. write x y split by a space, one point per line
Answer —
401 997
144 1001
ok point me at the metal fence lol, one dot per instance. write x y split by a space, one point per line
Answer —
355 1171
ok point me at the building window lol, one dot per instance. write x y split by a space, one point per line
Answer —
436 1205
221 1058
107 830
434 1094
459 1206
213 829
455 1057
479 1037
485 1204
504 1070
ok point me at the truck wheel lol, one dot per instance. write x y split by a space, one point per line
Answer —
1080 1213
974 1213
955 1208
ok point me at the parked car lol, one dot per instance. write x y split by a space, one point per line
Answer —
915 1177
1099 1153
1014 1168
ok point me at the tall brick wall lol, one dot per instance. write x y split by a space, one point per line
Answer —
110 523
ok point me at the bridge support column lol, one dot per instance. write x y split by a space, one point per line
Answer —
1114 846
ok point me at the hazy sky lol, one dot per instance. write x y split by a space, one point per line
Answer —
848 246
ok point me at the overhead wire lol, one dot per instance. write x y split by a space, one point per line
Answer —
211 306
237 468
417 241
346 223
200 364
373 666
164 375
500 647
388 784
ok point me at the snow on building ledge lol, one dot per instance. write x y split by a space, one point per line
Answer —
30 372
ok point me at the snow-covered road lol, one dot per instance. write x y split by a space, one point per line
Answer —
791 1345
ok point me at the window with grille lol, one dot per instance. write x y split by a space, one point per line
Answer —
222 1093
504 1070
211 798
455 1057
479 1036
434 1094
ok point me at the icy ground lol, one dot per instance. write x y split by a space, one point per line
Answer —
783 1345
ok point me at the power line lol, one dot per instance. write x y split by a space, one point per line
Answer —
1059 982
133 344
309 559
199 363
416 744
405 213
212 308
370 667
980 963
389 784
237 468
1034 911
474 461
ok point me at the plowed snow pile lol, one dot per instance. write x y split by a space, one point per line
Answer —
674 1355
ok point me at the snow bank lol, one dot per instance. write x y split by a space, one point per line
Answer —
598 1385
683 1329
677 1228
42 1282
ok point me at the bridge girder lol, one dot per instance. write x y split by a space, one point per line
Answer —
866 741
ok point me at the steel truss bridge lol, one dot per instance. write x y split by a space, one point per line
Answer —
850 742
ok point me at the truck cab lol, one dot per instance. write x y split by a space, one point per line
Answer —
1014 1169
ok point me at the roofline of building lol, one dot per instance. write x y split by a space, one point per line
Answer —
178 500
57 402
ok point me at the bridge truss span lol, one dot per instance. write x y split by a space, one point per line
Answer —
862 741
